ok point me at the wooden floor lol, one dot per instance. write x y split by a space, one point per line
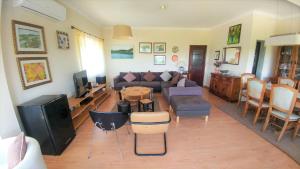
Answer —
222 143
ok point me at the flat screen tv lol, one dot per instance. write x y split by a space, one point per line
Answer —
81 83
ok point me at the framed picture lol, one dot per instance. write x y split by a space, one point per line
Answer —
62 40
28 38
145 47
34 71
122 51
159 59
217 55
159 47
234 34
232 55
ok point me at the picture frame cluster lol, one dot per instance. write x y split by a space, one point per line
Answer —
30 39
158 48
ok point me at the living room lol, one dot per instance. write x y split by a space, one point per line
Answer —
160 37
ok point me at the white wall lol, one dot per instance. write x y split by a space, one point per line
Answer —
180 37
219 41
8 120
63 63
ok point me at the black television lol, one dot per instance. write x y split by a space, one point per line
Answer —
81 83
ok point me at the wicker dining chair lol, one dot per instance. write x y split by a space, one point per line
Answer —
282 102
255 97
243 86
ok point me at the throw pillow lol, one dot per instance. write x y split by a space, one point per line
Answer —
181 83
165 76
129 77
149 76
175 78
16 151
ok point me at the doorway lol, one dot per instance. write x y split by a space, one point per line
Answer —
259 59
197 63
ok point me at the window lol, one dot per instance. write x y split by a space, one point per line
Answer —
91 55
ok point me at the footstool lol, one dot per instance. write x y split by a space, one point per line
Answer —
189 106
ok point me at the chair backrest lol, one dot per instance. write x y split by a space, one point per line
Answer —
109 120
244 79
286 81
150 122
283 98
256 89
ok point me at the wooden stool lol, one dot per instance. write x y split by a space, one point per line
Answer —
296 129
146 104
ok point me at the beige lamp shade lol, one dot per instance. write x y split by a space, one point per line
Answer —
122 32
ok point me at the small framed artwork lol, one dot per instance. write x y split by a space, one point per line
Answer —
234 34
63 40
34 71
159 47
159 59
145 47
28 38
217 55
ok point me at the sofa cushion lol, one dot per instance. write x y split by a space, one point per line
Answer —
149 76
190 83
166 76
175 78
127 84
129 77
153 84
166 84
16 151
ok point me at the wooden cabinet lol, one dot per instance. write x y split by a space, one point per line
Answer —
81 106
225 86
288 62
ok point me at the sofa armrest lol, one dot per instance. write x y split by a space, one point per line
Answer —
33 157
116 80
185 91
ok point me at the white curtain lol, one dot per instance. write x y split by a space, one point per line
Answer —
91 55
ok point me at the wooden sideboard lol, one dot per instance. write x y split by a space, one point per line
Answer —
81 106
225 86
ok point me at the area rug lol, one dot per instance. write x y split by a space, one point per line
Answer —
156 106
286 144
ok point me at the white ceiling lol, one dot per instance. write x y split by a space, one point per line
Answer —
179 13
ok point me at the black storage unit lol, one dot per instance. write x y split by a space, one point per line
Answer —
48 120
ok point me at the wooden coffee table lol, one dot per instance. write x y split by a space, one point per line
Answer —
136 92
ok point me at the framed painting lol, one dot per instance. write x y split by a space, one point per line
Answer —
159 59
62 40
234 34
217 55
232 55
28 38
159 47
145 47
122 51
34 71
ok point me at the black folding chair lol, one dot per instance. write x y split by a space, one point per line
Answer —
107 121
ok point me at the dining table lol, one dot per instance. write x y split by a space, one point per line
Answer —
268 94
